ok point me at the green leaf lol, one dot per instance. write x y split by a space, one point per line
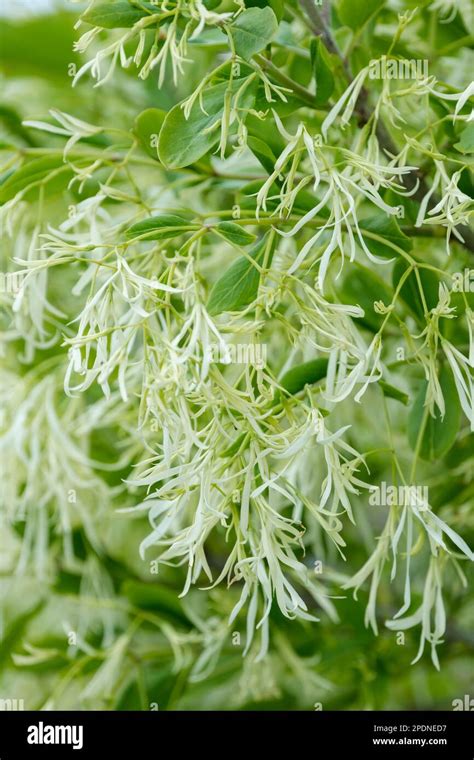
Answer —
35 171
162 227
439 434
234 233
322 71
262 152
362 287
253 30
238 286
456 30
277 6
265 131
457 330
155 598
117 15
299 69
304 374
354 13
183 141
466 181
386 227
147 128
410 291
466 143
392 392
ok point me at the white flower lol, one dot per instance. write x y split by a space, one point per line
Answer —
48 471
463 377
348 99
453 209
432 630
361 176
461 98
71 127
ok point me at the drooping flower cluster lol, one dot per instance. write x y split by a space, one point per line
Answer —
245 479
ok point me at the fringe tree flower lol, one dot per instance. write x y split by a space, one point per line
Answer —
238 377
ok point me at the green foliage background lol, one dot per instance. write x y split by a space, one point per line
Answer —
141 646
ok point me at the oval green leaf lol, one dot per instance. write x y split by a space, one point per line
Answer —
45 169
322 71
234 233
118 15
308 373
277 6
253 30
183 141
439 434
160 228
147 128
385 227
238 286
362 287
355 13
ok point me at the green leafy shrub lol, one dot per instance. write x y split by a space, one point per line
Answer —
238 356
